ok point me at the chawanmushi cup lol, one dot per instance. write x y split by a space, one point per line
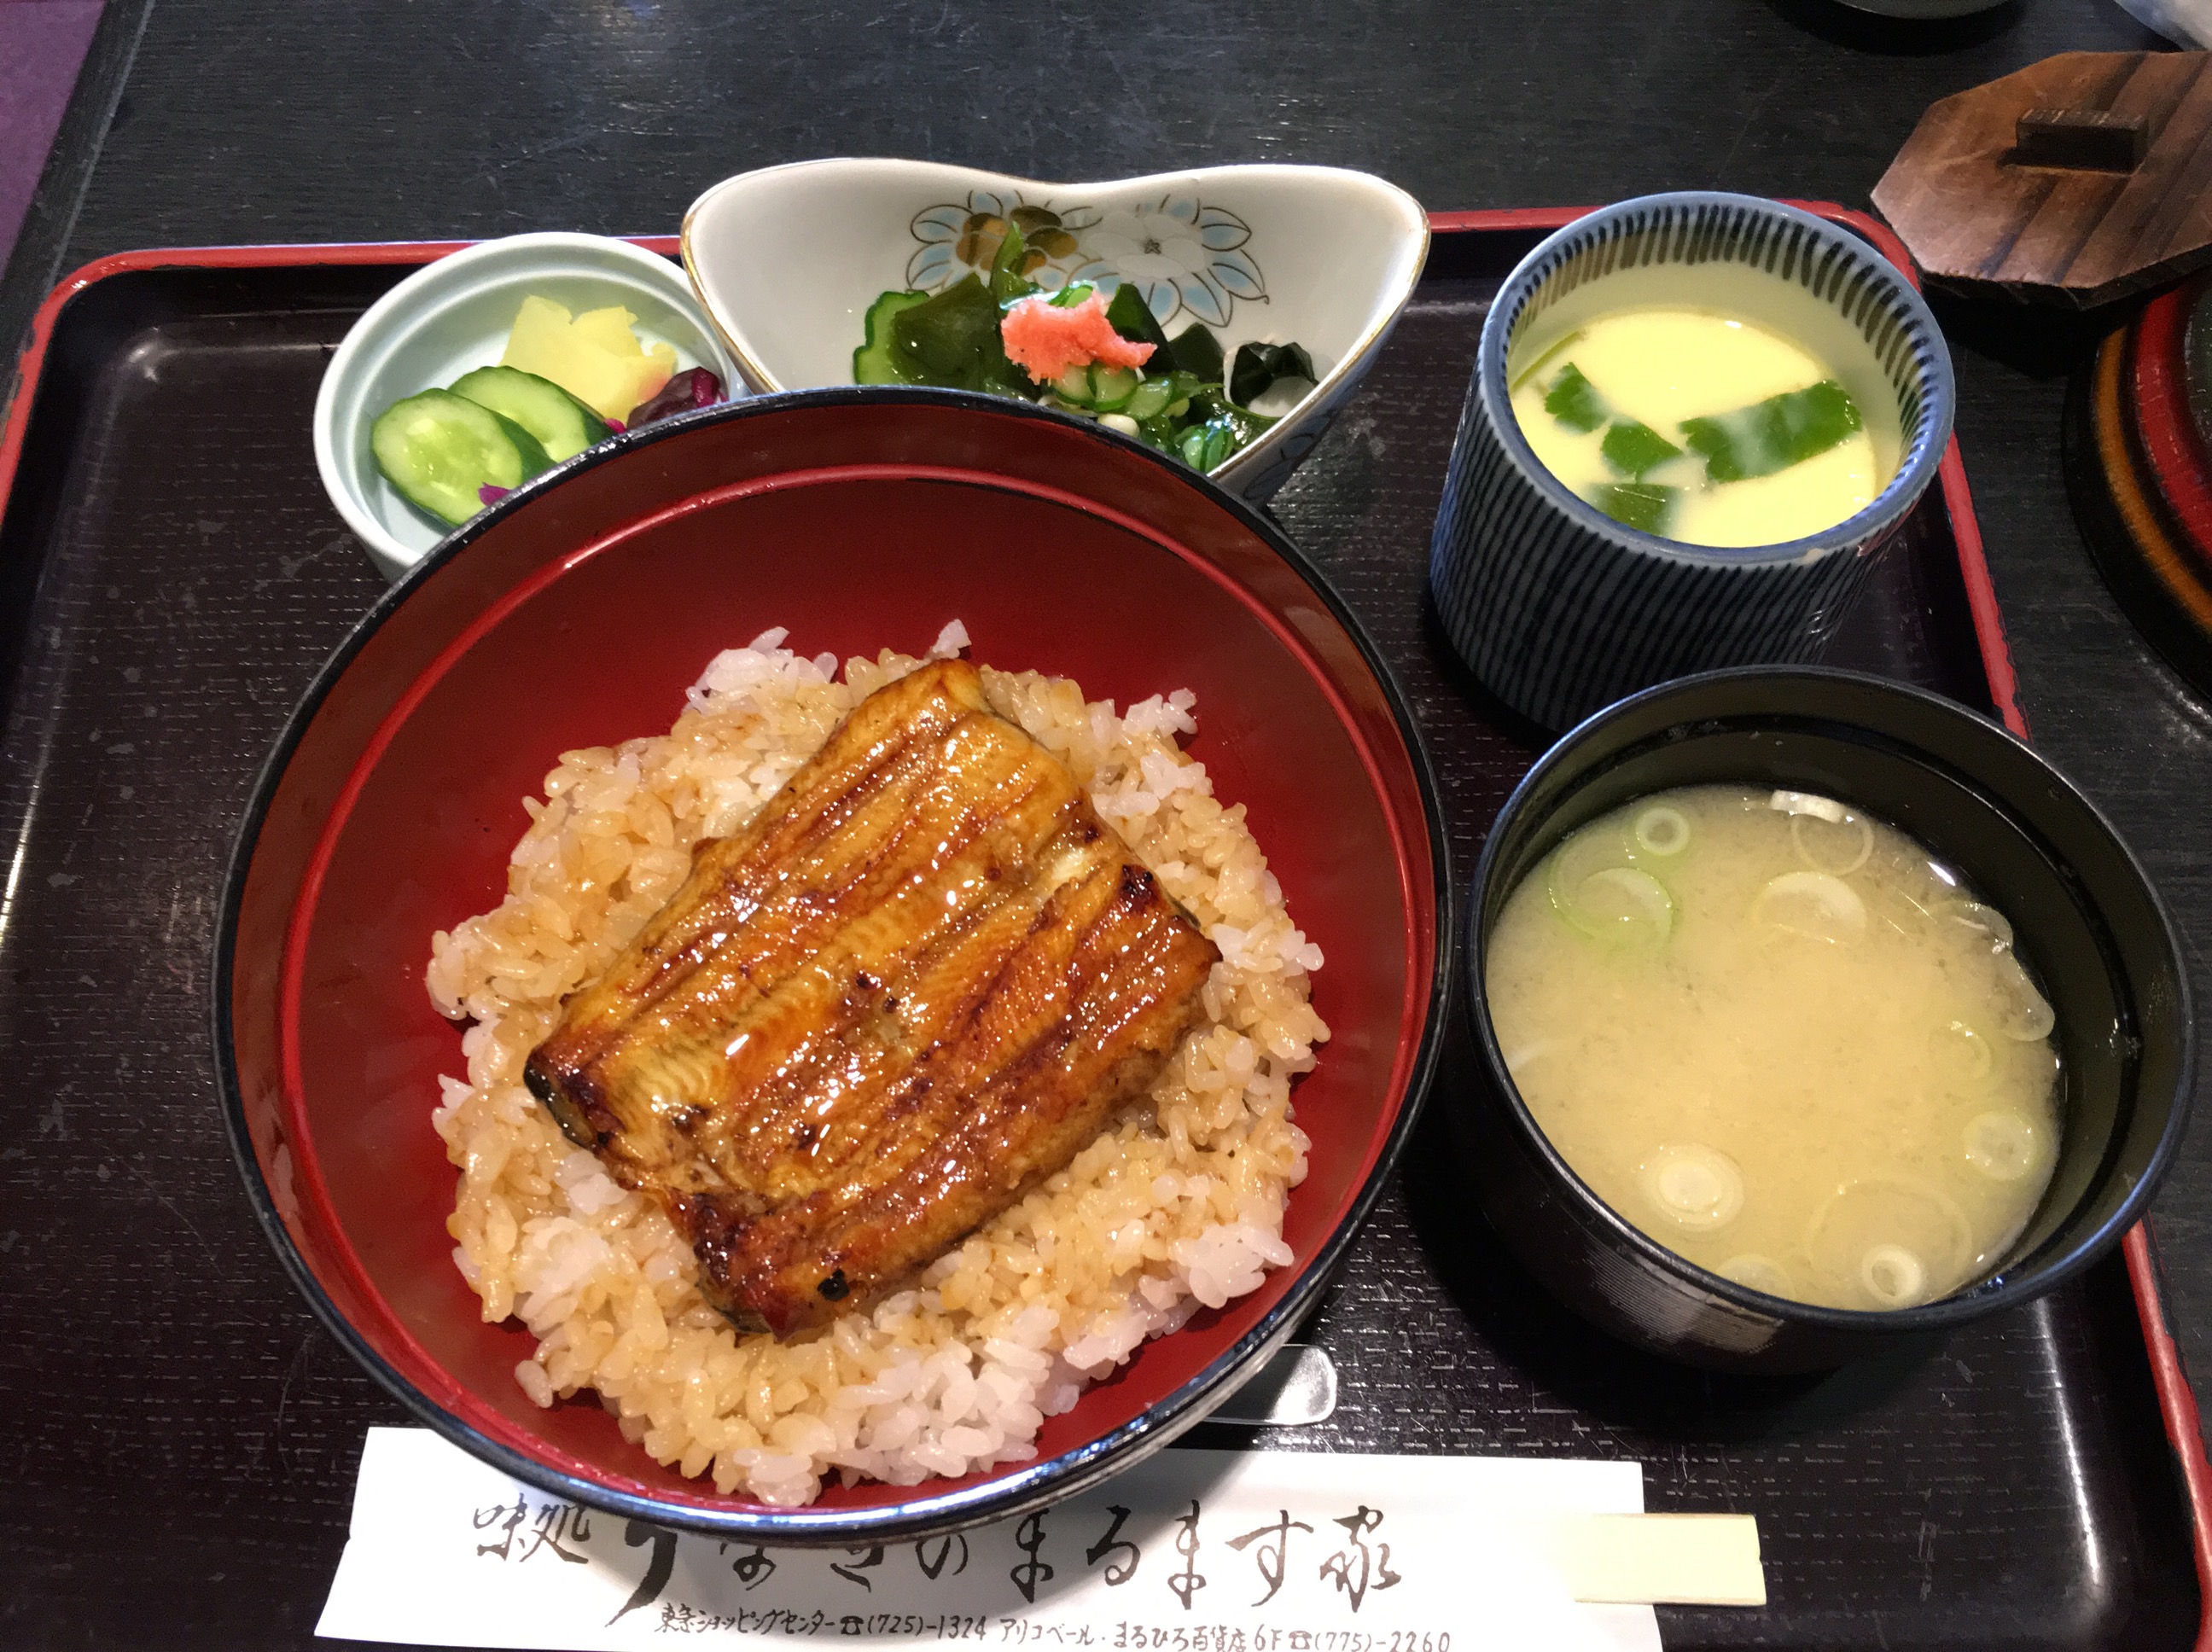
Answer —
1561 610
2086 922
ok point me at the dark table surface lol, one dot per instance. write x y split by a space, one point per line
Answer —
210 121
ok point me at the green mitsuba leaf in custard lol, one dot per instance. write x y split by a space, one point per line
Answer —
1640 504
1573 400
1632 447
1773 435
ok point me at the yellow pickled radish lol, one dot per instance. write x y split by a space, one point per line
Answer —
594 356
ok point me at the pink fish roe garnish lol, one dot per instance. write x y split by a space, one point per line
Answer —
1045 341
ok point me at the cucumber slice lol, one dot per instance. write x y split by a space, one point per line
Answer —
564 426
1112 388
1073 385
874 362
439 449
1205 445
1150 399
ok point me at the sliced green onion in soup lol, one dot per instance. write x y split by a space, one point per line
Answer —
1894 1276
1839 848
1960 1057
1807 803
1693 1187
1618 903
1756 1272
1626 901
1827 836
2025 1015
1817 905
2004 1146
1660 830
1984 923
1886 1243
1597 893
1586 850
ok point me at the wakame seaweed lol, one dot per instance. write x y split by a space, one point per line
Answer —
1184 403
1260 368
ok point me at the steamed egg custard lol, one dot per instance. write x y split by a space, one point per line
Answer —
1784 1040
1698 427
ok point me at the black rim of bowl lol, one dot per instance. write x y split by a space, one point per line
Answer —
1035 1484
1918 463
1975 1301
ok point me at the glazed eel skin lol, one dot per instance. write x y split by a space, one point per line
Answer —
918 982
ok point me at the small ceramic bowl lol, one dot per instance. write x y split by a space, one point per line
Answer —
575 613
788 260
453 315
2086 922
1559 607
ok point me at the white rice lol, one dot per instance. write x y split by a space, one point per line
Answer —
1177 1205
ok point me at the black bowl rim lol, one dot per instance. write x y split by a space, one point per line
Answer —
1946 1313
1918 466
1036 1484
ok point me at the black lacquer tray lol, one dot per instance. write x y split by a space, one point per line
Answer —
181 1439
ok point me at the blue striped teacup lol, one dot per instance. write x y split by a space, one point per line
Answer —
1559 609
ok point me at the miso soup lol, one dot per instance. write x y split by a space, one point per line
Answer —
1701 426
1783 1040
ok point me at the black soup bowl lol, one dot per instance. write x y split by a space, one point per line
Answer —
2087 923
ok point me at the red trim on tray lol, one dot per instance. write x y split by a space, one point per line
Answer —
1452 223
1981 593
2177 1399
1884 239
2177 1402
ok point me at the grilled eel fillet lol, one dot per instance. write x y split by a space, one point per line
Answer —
920 978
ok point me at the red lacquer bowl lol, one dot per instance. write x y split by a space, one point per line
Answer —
575 613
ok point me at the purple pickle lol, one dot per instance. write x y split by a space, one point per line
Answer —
695 387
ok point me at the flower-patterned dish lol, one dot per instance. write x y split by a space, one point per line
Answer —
786 261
